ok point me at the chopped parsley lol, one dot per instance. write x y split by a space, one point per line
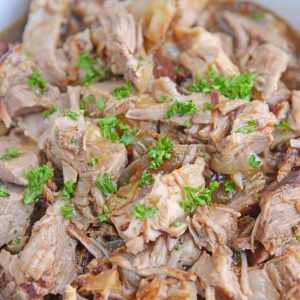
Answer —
106 185
195 197
10 154
67 211
17 241
146 179
187 123
74 140
106 214
297 237
53 109
254 161
181 109
73 115
123 91
4 193
257 16
36 177
92 70
101 104
207 105
234 87
160 152
111 126
37 83
230 187
68 189
178 70
177 223
140 59
284 124
94 161
143 212
248 129
178 247
164 99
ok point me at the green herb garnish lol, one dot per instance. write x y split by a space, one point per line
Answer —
106 185
53 109
160 152
37 83
71 114
67 211
195 197
4 193
164 99
258 16
139 64
254 161
106 214
284 124
297 237
234 87
248 129
110 126
143 212
91 67
177 223
230 187
10 154
101 104
146 179
37 178
207 105
181 109
68 189
123 91
94 161
89 98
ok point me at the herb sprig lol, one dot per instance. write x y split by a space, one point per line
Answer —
68 190
254 161
160 152
195 197
146 179
252 124
106 214
37 83
181 109
50 111
36 177
10 154
143 212
234 87
67 211
123 91
106 185
4 193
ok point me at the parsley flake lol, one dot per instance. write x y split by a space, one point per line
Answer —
37 83
248 129
73 115
89 98
101 104
181 109
53 109
284 124
146 179
106 214
68 189
123 91
106 185
10 154
67 211
37 178
94 161
234 87
207 105
297 237
257 16
195 197
177 223
143 212
91 67
254 161
111 126
160 152
4 193
230 187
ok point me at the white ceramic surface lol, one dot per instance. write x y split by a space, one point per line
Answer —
12 10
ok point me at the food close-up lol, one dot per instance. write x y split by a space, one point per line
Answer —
149 150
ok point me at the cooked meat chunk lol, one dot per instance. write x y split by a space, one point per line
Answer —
165 195
268 62
14 215
215 272
47 263
246 30
42 35
205 51
235 149
17 94
279 216
164 289
12 168
214 226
